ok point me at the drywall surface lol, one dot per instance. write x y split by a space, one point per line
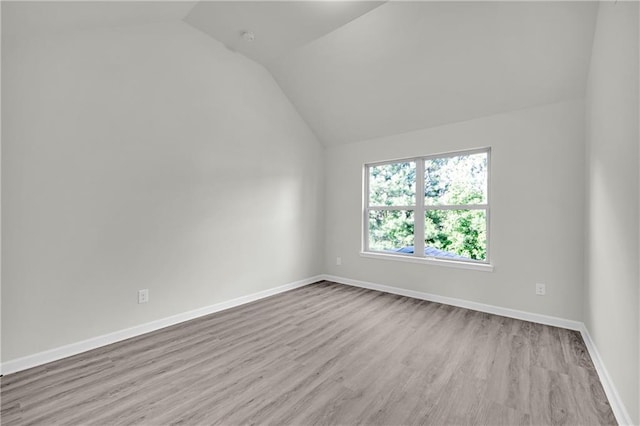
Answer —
537 198
409 65
146 157
0 204
612 277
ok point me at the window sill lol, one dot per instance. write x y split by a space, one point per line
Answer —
486 267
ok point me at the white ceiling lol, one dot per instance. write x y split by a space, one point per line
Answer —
411 65
279 26
358 70
24 19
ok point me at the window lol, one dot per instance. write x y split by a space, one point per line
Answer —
429 208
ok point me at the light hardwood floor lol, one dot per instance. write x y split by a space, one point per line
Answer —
322 354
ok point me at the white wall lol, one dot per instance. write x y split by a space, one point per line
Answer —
612 276
0 198
537 196
146 157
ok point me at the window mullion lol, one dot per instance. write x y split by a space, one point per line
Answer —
418 216
392 208
458 207
365 210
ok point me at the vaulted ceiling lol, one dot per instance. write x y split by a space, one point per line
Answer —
23 19
279 27
358 70
411 65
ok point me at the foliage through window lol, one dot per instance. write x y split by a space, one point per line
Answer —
429 207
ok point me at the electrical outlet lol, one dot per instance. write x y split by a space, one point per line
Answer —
541 289
338 261
143 295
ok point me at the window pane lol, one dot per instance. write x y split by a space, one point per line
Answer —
390 230
456 180
392 184
456 234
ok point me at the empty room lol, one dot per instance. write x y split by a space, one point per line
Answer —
320 212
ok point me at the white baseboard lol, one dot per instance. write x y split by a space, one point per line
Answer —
55 354
491 309
619 410
617 406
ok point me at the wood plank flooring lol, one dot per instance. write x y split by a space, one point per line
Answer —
322 354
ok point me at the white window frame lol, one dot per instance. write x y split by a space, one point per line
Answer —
419 210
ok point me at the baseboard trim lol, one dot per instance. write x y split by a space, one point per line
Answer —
55 354
617 406
491 309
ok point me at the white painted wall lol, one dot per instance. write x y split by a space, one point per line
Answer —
0 194
146 157
612 257
537 198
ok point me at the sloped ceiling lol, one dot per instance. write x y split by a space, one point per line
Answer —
373 69
411 65
279 26
25 19
358 70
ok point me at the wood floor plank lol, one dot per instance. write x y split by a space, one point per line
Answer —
493 413
322 354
